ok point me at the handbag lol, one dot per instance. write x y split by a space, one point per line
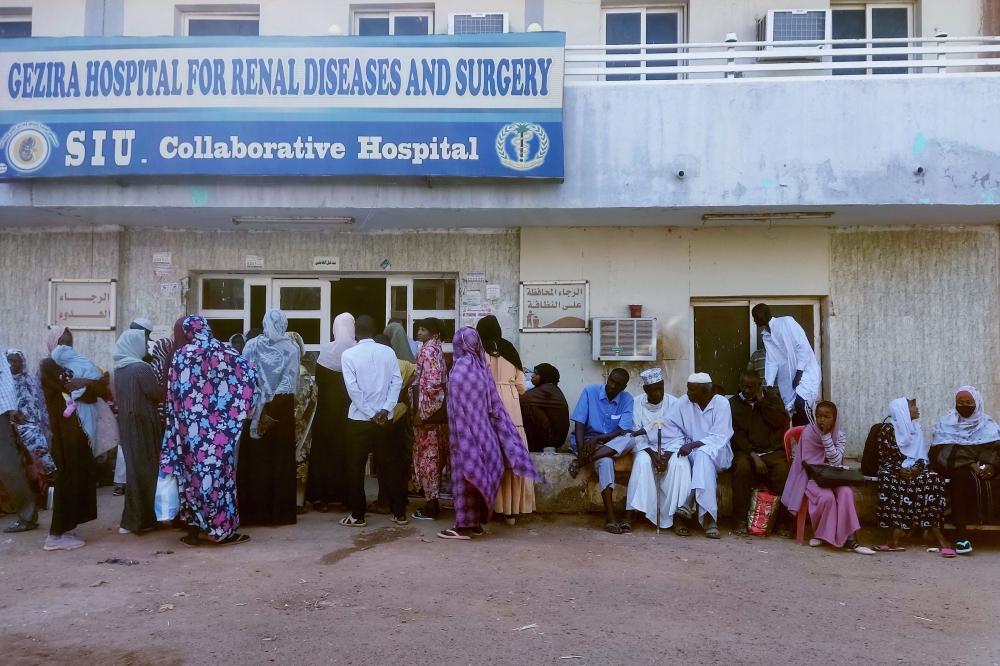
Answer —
440 416
832 476
166 502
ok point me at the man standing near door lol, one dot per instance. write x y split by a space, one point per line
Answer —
791 362
373 382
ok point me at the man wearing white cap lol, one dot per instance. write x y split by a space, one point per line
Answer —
648 466
698 427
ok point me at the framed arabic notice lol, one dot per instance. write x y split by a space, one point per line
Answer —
555 307
87 305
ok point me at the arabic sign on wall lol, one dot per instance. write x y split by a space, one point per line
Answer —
437 105
555 306
82 304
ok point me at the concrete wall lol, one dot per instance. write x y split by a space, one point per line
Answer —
914 314
663 269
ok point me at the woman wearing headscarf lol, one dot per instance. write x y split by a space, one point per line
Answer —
140 429
95 416
910 496
484 440
831 510
516 494
33 433
210 397
399 342
75 499
23 476
966 449
305 412
266 460
327 460
545 411
430 430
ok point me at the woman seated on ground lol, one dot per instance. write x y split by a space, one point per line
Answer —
545 411
831 510
966 449
910 495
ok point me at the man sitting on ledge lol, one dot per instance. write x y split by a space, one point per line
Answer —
602 432
699 427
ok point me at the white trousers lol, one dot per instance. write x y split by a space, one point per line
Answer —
120 468
674 492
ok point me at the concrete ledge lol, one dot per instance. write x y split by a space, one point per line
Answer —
564 494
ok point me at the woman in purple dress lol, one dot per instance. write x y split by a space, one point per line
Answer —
484 440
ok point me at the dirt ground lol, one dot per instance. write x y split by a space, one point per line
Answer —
551 590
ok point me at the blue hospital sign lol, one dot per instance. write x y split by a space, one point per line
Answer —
465 105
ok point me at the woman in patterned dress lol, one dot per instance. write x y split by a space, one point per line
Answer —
430 440
910 495
210 397
305 410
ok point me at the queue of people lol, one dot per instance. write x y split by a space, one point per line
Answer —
250 438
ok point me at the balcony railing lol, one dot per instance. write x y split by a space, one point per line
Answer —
817 58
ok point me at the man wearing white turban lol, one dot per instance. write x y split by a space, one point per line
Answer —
648 484
698 428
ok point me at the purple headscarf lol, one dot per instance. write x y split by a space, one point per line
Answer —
483 437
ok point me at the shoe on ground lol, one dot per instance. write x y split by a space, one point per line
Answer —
122 530
399 520
963 547
861 550
63 542
815 543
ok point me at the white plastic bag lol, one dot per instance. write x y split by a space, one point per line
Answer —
167 501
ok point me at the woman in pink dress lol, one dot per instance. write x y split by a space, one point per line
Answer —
831 510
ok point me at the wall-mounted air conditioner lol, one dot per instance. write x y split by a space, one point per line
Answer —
477 24
789 25
624 339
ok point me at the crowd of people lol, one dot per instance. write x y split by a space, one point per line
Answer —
248 436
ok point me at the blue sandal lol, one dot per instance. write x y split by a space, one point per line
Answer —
963 547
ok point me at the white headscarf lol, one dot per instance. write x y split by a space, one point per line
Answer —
953 428
275 356
909 435
343 339
131 348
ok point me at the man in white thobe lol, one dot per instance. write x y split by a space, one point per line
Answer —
698 427
649 465
790 363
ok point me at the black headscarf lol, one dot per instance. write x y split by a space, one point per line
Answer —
493 342
547 373
433 325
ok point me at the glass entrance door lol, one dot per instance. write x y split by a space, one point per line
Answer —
305 304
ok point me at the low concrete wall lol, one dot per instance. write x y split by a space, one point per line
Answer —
564 494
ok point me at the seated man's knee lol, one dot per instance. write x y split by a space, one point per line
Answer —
741 466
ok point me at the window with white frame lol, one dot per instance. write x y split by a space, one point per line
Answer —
15 22
643 25
403 22
725 339
872 21
216 24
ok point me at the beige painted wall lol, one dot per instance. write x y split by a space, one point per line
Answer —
914 314
663 269
53 18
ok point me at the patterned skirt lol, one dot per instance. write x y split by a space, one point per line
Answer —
911 503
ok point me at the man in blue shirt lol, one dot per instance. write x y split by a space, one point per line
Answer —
602 432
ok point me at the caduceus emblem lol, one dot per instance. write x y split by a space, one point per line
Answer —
522 141
520 136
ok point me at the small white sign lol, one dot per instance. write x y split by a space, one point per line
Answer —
162 263
475 277
253 261
471 316
472 299
170 289
492 292
326 263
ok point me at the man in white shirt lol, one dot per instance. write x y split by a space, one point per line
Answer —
647 486
790 363
373 381
698 427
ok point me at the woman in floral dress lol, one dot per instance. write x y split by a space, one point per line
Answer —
210 398
430 440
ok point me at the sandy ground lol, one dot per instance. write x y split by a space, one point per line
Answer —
551 590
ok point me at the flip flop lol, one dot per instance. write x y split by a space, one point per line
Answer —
452 534
351 521
713 533
234 540
948 552
680 530
574 467
613 528
625 528
889 549
21 526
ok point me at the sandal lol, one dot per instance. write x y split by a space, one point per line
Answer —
963 547
625 528
681 530
21 526
234 540
740 530
190 542
351 521
856 547
574 468
613 528
401 520
713 532
419 514
453 534
948 552
889 549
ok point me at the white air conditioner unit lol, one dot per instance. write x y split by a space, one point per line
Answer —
624 339
478 24
789 25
